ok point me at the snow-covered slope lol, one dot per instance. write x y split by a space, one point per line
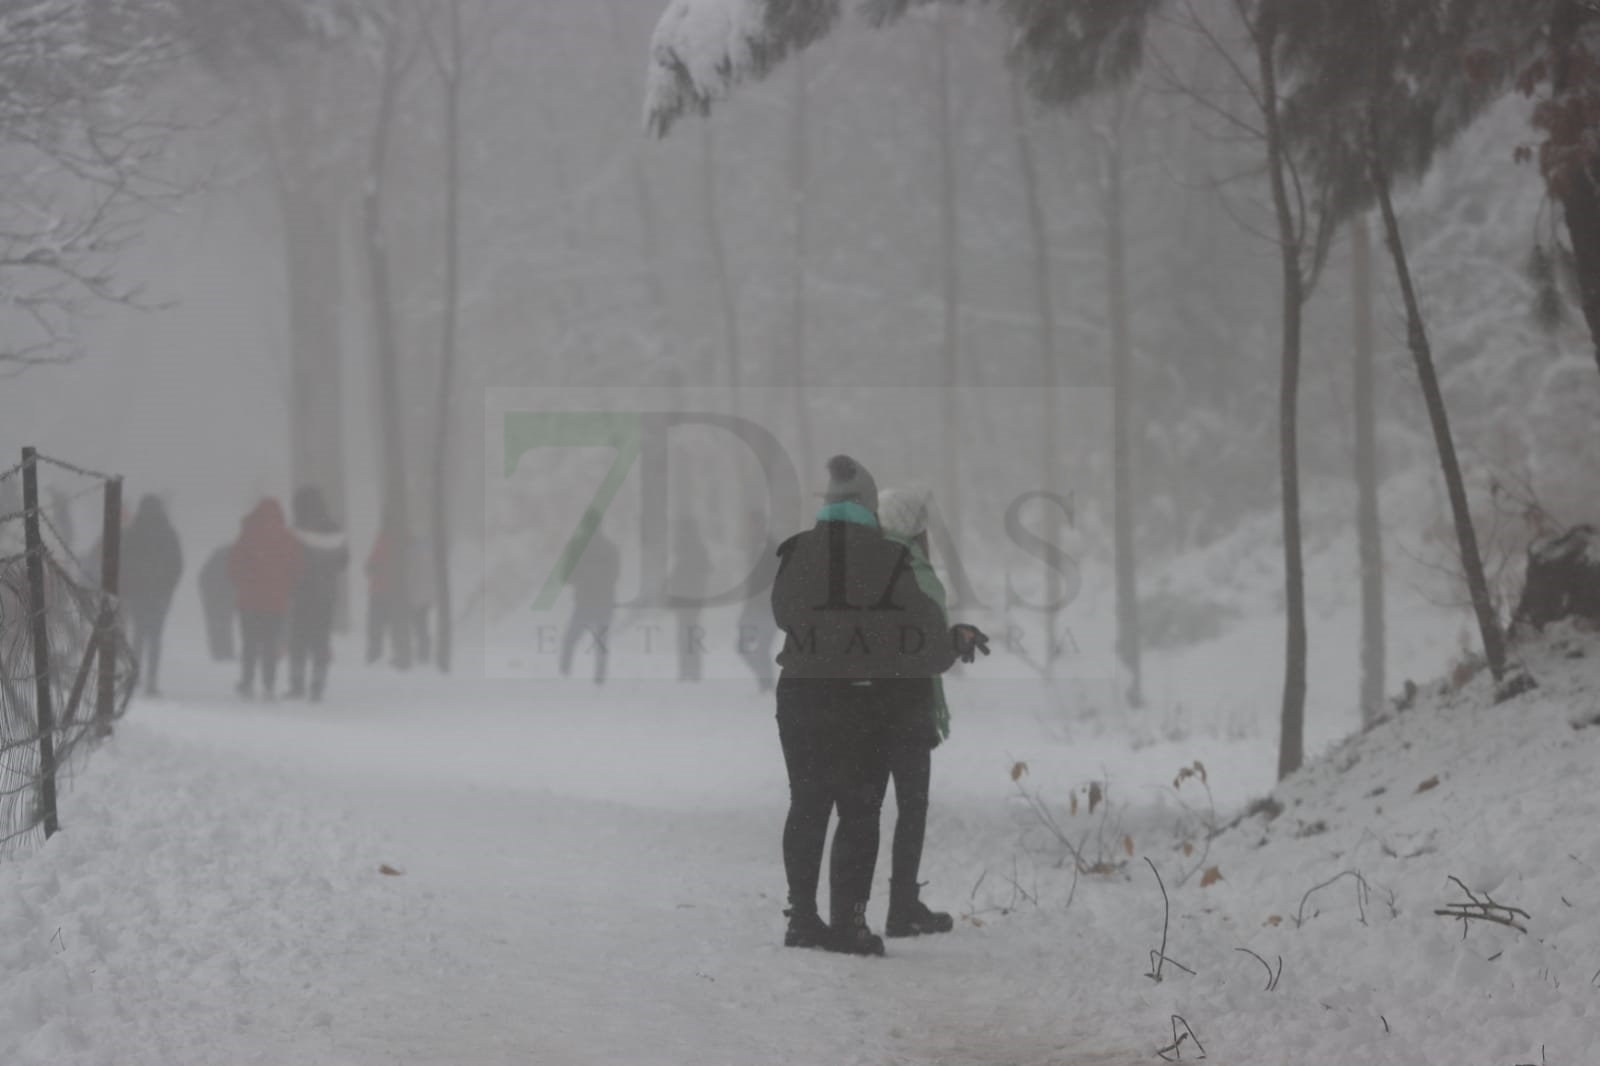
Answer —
597 880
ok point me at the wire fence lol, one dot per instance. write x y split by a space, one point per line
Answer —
67 671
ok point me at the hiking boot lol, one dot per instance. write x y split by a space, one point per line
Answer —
806 930
852 937
909 916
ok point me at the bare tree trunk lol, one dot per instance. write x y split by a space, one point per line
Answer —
1494 647
1291 742
799 174
1368 529
1580 195
1044 308
396 514
1128 642
950 279
727 295
313 250
452 71
648 241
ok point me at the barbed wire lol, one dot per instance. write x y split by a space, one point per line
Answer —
72 468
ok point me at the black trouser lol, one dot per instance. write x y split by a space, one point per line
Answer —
147 627
835 739
310 643
910 767
262 634
594 621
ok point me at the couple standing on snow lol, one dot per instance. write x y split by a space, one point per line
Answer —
860 700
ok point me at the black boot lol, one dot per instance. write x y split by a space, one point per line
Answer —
806 929
909 916
852 937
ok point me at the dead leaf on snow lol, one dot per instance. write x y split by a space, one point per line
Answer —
389 871
1430 784
1211 877
1074 810
1127 845
1274 919
1095 796
1188 848
1018 770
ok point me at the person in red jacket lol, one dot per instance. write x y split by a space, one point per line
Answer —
265 564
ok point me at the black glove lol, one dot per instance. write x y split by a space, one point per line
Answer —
969 641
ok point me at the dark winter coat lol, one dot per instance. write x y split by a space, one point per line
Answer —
594 577
266 561
850 607
151 563
326 556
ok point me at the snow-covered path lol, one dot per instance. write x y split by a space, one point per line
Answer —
582 883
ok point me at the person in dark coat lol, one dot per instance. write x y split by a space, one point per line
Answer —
757 631
151 564
265 566
857 632
691 570
316 593
217 604
594 596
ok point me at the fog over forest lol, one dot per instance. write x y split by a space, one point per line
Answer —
496 387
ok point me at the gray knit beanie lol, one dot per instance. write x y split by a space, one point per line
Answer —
904 512
849 482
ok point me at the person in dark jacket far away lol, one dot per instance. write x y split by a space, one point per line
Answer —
265 565
152 563
757 631
217 604
857 632
691 570
594 596
316 593
921 723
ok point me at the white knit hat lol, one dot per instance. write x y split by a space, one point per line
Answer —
904 512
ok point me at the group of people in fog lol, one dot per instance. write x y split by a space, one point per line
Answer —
270 594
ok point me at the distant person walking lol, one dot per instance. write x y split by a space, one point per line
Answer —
217 604
691 571
151 564
594 596
265 564
316 593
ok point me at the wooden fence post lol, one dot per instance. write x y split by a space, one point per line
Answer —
45 711
108 629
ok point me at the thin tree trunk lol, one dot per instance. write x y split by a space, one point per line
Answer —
1044 310
1128 648
1368 530
727 295
396 514
313 250
649 243
448 342
950 277
1291 742
1494 648
799 174
1580 194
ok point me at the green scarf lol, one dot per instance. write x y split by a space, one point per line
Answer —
848 511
